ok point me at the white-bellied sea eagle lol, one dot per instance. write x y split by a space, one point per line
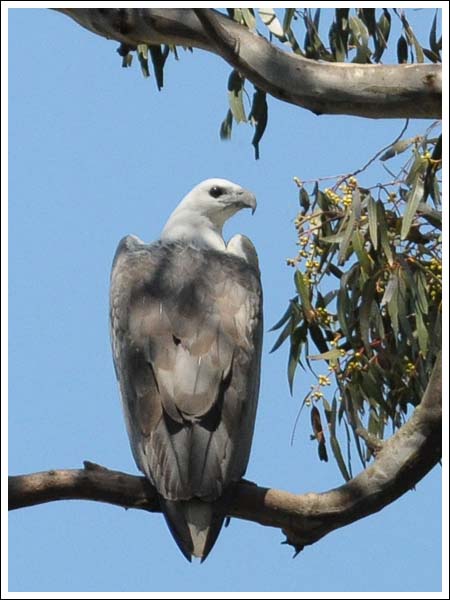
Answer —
186 329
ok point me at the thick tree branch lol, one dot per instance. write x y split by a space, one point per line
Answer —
374 91
401 463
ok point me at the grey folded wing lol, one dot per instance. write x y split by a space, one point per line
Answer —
186 330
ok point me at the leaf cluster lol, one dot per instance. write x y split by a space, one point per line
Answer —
368 280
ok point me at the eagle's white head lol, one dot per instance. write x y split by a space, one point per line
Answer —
201 214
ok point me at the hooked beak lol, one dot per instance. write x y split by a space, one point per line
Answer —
248 200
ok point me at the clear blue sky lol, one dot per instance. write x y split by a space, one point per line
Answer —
95 152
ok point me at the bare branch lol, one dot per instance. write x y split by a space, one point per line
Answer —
400 464
374 91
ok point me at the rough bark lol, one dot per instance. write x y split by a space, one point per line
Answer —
374 91
401 463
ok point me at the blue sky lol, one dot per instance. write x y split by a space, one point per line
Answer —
96 152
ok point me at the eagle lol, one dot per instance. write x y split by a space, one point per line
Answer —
186 331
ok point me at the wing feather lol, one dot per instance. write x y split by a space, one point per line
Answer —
186 328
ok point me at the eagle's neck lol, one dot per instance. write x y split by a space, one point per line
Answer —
191 228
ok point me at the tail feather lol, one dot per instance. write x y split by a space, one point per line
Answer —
194 525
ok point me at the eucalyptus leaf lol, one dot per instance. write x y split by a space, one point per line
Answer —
287 314
258 115
358 247
297 341
397 148
339 458
422 333
391 289
383 229
373 221
383 31
412 39
402 50
158 61
285 333
142 52
415 196
329 355
249 18
226 126
346 238
304 291
270 20
288 16
432 39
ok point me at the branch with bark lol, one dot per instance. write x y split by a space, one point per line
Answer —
403 460
373 91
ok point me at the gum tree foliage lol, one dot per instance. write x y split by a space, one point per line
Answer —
365 316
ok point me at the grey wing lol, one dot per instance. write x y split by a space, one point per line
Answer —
186 332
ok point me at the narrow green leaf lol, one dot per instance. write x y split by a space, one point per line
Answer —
336 44
391 289
373 426
358 247
342 17
304 292
431 55
142 49
334 442
393 305
347 238
236 103
372 387
284 318
316 19
259 116
270 20
226 126
329 355
339 458
402 50
285 333
414 198
249 18
383 31
421 292
343 301
383 229
127 60
412 39
368 16
356 203
288 16
365 311
397 148
158 61
142 52
293 43
329 296
359 30
318 337
298 339
235 96
422 333
433 44
434 217
373 223
419 167
333 239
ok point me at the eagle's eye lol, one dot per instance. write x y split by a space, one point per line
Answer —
216 191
